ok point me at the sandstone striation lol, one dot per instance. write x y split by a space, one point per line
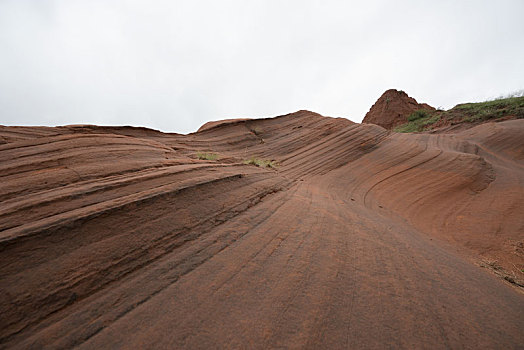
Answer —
121 237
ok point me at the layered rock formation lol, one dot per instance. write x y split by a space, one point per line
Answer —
120 237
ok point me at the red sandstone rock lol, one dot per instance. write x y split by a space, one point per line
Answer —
119 237
393 108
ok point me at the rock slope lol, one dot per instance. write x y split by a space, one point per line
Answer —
393 108
121 237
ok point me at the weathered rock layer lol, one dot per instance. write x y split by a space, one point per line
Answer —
120 237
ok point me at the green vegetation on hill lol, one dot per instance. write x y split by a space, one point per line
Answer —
418 121
464 113
482 111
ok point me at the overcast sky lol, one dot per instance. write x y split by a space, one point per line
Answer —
173 65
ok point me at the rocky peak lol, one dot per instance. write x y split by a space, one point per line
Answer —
393 108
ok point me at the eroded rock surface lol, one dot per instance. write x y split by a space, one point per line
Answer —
120 237
393 108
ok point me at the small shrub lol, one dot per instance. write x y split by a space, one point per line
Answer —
207 156
431 120
262 163
418 121
421 113
408 127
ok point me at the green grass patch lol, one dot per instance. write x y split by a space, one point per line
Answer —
482 111
466 112
207 156
262 163
418 121
420 114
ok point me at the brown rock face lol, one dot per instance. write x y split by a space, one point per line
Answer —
124 238
393 108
